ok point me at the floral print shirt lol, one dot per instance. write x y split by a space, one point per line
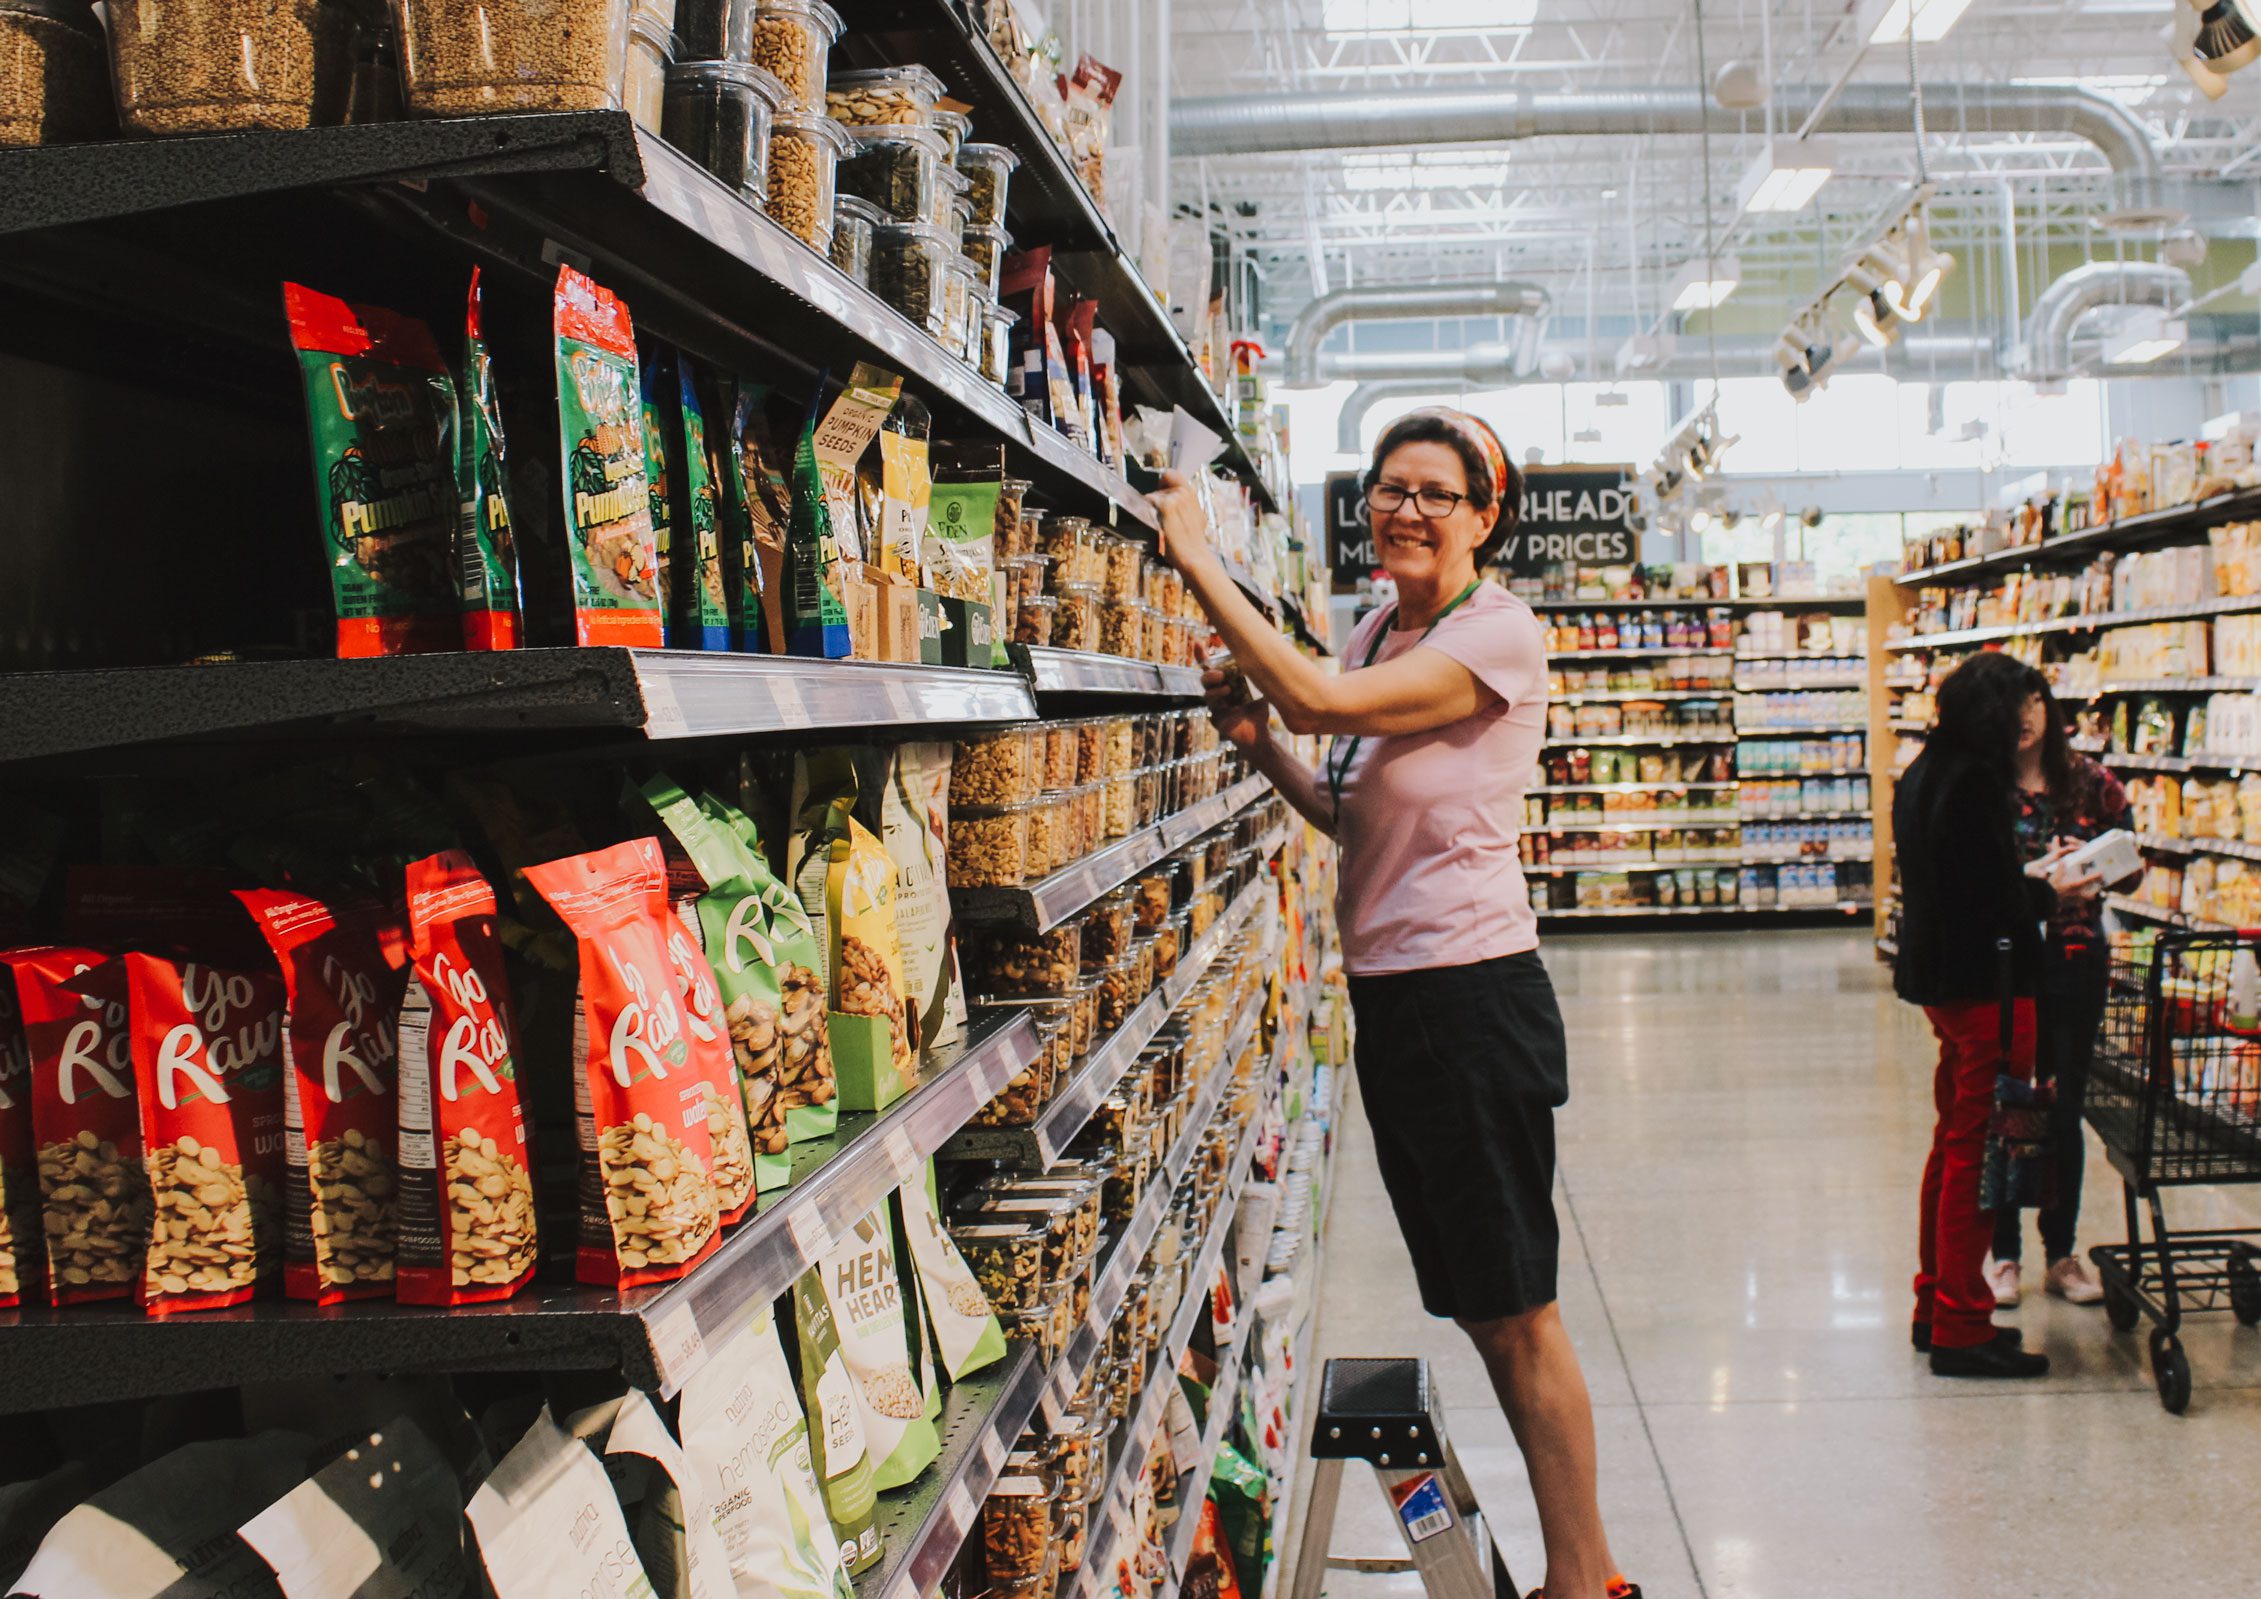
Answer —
2096 804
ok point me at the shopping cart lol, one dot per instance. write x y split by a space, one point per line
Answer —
2175 1094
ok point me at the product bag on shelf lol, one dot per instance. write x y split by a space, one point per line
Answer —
647 1200
607 509
486 553
655 390
915 818
342 1121
548 1524
708 1034
384 1520
23 1262
956 1315
757 510
85 1123
768 969
675 1532
836 1426
846 881
209 1065
816 615
30 1509
960 550
700 605
169 1529
744 1432
381 409
880 1346
466 1228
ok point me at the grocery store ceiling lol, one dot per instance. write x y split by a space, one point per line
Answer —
1620 213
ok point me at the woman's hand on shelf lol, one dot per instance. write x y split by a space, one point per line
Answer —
1183 539
1245 726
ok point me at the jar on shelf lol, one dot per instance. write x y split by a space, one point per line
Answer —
894 168
792 41
1033 618
57 74
989 169
1109 925
908 270
957 305
1051 843
720 113
1074 549
954 126
1121 628
804 154
883 97
996 361
1075 625
853 220
214 66
643 79
986 248
1091 748
1123 576
1008 963
1059 757
990 846
1000 768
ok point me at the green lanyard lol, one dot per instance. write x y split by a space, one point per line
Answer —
1346 750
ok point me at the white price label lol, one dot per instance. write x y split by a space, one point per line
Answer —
903 702
663 713
810 1235
792 710
903 1156
957 1507
677 1348
992 1451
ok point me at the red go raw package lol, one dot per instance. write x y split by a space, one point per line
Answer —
93 1192
647 1201
208 1075
22 1270
339 1111
467 1227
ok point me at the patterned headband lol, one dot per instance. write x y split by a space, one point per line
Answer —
1478 432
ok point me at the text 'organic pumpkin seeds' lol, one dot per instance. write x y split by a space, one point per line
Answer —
608 518
382 410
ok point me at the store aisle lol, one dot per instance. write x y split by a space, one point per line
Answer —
1749 1118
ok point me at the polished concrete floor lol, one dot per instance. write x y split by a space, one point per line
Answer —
1749 1117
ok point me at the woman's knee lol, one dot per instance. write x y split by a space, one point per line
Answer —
1510 1333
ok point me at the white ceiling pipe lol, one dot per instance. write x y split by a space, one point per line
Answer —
2060 307
1286 123
1406 302
1350 422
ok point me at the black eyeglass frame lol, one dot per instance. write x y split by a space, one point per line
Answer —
1420 498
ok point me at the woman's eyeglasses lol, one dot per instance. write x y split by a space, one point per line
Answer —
1387 499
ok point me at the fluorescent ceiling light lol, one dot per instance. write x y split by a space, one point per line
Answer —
2146 336
1701 285
1785 177
1354 17
1933 19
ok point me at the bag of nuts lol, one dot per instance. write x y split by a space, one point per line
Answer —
341 1119
762 955
466 1224
22 1266
647 1200
709 1033
93 1190
846 880
208 1078
608 519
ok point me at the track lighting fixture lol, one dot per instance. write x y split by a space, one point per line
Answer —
1927 267
2227 40
1892 282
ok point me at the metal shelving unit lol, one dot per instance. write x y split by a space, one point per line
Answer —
1798 729
1668 825
1846 907
1641 740
2081 622
2129 533
1746 602
657 1337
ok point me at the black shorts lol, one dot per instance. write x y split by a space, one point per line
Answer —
1460 1069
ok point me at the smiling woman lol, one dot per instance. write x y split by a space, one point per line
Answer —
1437 723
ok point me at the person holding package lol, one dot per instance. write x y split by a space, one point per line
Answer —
1437 722
2061 800
1964 895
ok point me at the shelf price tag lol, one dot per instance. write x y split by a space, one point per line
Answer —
792 709
957 1507
663 712
678 1350
810 1235
903 1156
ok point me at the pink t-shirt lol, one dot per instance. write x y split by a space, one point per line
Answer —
1429 821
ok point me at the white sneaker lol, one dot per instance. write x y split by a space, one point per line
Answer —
2075 1281
2002 1277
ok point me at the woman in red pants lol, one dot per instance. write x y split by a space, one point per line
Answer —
1963 891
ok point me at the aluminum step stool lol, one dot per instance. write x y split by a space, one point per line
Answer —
1386 1413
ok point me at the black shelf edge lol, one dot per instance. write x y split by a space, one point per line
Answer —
1043 905
657 1337
923 1526
1103 1066
57 185
2134 532
660 694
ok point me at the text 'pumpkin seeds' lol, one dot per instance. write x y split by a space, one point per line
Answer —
640 1103
382 410
486 557
608 518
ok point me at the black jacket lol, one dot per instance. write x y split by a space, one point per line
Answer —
1962 887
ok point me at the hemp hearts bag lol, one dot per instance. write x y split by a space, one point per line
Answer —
466 1221
744 1433
340 1112
647 1201
865 1287
94 1193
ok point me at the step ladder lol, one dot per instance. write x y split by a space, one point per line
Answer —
1386 1413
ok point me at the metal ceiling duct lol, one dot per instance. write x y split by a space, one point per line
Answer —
1486 366
1405 302
2058 310
1351 420
1285 123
